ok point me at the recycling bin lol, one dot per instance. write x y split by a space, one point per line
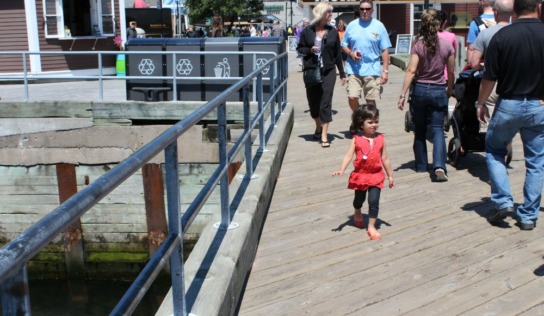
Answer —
215 69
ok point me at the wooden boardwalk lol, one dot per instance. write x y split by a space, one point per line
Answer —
438 255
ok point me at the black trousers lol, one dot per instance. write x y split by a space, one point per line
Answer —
373 200
320 97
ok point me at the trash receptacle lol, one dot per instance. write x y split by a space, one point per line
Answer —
270 46
216 68
146 65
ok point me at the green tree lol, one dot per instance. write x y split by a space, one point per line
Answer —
230 10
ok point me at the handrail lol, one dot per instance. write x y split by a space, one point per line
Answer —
15 255
26 76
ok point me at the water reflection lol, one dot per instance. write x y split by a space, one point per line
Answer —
56 298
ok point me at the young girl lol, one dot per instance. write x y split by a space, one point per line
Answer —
370 161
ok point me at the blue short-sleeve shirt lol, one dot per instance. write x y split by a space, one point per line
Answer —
371 39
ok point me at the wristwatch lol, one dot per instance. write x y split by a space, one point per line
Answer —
386 71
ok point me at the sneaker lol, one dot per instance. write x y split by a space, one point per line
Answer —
502 213
527 226
441 176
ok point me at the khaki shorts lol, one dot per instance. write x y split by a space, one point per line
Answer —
368 85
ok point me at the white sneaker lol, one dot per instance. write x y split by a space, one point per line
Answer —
441 176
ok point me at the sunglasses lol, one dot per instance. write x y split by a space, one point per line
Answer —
365 9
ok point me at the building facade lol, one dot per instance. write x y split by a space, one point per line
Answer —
57 26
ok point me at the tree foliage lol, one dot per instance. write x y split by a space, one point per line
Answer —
230 10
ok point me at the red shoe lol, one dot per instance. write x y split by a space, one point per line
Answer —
358 222
374 236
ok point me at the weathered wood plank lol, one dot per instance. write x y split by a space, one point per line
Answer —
46 109
161 110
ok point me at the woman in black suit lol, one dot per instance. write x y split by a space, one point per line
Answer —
320 47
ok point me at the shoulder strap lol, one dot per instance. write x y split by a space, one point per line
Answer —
478 21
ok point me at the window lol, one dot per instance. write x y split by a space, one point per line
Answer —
75 18
418 10
460 19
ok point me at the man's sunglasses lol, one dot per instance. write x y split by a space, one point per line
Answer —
365 9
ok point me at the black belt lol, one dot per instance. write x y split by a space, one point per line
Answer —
431 84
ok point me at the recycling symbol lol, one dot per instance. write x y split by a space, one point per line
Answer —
260 62
184 67
146 67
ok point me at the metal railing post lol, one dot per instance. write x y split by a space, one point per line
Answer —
260 112
223 165
247 129
285 77
25 77
276 97
174 80
14 294
254 97
173 199
100 81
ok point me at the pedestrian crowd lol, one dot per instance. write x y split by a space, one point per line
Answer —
221 29
505 44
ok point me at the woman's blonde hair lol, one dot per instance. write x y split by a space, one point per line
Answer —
320 10
428 33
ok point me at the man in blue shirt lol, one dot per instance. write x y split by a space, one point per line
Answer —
487 19
365 40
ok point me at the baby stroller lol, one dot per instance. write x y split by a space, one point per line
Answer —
464 122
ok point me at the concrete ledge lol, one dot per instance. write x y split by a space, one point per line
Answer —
400 61
218 266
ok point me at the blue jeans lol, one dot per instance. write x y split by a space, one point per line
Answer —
429 106
511 116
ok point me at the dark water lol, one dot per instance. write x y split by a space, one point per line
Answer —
56 298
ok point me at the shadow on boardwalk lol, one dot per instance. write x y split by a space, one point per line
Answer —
438 254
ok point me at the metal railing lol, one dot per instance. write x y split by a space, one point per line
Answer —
26 77
15 255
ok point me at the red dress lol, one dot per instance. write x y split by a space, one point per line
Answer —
367 172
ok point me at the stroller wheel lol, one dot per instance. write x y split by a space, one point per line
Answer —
454 152
408 122
446 124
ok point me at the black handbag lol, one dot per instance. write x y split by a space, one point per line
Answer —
312 76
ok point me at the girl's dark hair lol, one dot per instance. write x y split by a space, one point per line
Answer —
428 33
363 113
443 18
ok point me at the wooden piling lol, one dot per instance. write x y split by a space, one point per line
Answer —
73 246
154 206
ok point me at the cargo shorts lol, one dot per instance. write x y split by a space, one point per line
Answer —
369 86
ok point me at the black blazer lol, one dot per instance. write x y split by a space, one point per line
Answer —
331 51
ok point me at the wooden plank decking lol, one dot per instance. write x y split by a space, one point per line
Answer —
438 254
